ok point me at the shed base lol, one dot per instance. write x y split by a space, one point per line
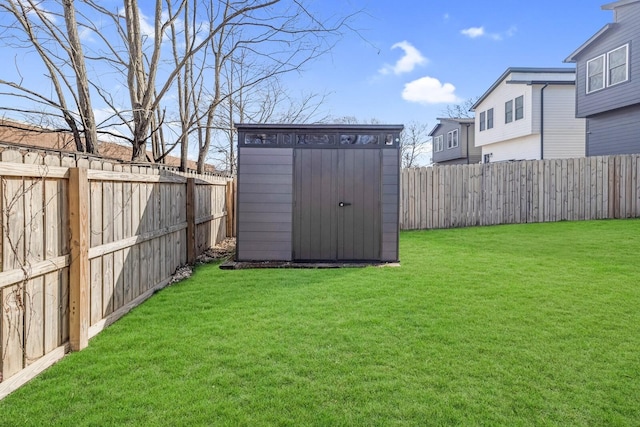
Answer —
238 265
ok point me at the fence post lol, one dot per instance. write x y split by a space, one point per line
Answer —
230 208
79 297
191 220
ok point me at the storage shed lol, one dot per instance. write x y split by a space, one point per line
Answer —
318 192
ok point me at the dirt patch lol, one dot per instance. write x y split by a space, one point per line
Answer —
224 251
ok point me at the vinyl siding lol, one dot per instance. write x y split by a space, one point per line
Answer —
564 135
448 153
457 155
614 132
265 195
502 131
390 201
524 148
626 30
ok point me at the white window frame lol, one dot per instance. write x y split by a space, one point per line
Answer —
452 139
508 112
515 108
606 70
626 65
482 121
438 143
490 122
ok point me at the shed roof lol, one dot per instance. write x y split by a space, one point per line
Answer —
322 126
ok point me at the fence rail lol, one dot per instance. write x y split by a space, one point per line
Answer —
520 192
85 241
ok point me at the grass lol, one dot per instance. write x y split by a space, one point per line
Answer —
521 325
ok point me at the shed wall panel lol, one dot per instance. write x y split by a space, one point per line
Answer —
390 200
265 197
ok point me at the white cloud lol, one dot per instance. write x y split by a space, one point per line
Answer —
473 32
146 28
429 90
38 11
411 58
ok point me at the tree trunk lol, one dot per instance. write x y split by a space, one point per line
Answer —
82 81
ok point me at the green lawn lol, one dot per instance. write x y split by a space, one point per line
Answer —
533 324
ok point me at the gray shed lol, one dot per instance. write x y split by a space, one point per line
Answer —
318 192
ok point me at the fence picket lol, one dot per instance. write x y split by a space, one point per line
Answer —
520 192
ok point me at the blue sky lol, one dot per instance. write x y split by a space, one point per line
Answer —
413 57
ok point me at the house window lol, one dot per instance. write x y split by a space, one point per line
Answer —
438 143
490 118
595 74
508 111
617 65
608 69
519 107
482 122
452 139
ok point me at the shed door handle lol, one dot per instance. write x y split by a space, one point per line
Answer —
343 204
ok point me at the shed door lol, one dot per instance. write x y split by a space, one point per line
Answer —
337 204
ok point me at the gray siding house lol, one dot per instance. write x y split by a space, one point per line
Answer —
453 142
608 83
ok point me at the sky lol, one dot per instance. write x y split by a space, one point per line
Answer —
405 61
411 58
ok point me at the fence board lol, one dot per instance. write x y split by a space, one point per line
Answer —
34 253
519 192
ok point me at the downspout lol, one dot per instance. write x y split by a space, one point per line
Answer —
468 161
542 120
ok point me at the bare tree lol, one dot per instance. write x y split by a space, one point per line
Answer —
38 28
462 110
247 99
181 51
414 143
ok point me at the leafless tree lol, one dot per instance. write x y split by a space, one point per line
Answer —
268 101
415 143
462 110
60 50
181 52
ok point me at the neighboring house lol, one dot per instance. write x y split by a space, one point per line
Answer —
608 83
24 135
529 114
453 142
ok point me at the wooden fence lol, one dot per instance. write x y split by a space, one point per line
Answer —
520 192
85 241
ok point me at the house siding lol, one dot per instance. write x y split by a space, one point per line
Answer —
614 132
458 155
626 30
564 135
448 153
265 196
523 148
502 131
